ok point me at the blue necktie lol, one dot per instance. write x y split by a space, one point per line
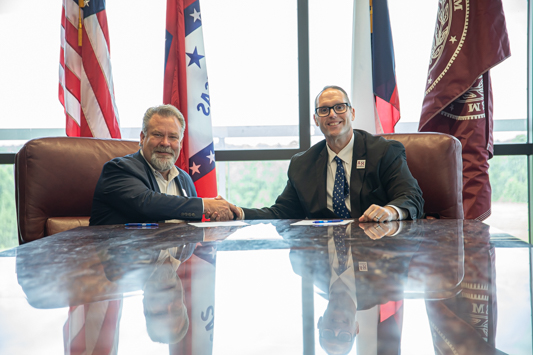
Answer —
339 234
340 191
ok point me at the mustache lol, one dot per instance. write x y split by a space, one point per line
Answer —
164 150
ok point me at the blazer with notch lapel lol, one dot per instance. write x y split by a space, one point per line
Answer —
385 180
127 192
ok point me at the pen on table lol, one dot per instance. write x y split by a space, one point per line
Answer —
141 224
330 221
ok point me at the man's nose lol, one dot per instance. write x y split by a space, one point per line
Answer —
332 113
165 141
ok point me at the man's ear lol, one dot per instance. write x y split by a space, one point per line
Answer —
316 121
141 138
356 328
319 323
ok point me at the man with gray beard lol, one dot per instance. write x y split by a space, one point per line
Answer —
146 186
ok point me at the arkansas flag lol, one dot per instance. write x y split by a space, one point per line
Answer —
198 276
186 87
470 38
374 90
85 79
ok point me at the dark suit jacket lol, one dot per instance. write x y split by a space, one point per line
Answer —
386 179
127 191
388 261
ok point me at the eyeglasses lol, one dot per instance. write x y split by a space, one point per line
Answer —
338 108
330 335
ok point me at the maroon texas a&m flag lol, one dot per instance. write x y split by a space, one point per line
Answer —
470 38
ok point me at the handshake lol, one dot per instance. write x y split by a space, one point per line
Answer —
218 209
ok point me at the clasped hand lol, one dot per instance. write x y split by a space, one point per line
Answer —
218 209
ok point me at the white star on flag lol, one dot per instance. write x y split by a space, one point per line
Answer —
196 15
212 253
211 157
195 168
453 39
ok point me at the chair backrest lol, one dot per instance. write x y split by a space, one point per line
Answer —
55 180
436 163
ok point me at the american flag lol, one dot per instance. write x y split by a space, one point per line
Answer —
93 328
186 87
374 90
85 79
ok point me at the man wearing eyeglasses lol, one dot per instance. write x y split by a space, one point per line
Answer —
352 174
338 326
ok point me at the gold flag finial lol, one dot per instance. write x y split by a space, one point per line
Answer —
81 3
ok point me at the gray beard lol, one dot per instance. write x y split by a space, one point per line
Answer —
162 164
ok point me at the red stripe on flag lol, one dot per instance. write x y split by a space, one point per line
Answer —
72 84
388 115
71 37
109 330
395 99
389 309
76 343
185 346
102 20
99 85
63 17
61 95
207 186
175 81
62 57
72 128
85 131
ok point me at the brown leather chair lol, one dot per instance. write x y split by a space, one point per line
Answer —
435 161
55 180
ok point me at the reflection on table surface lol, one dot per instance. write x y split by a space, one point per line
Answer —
413 287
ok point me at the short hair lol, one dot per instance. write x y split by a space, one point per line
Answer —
163 111
335 88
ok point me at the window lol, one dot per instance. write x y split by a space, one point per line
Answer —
266 62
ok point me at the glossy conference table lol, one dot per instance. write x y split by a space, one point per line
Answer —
436 287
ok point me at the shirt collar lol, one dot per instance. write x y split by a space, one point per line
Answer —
345 154
171 175
348 276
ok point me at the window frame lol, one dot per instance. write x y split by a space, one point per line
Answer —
525 149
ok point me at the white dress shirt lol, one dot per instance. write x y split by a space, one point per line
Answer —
167 186
346 155
348 276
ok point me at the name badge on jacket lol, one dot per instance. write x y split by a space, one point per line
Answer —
361 164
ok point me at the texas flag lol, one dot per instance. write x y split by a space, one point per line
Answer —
374 90
186 87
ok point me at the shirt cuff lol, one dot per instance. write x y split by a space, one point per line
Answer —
402 214
400 227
